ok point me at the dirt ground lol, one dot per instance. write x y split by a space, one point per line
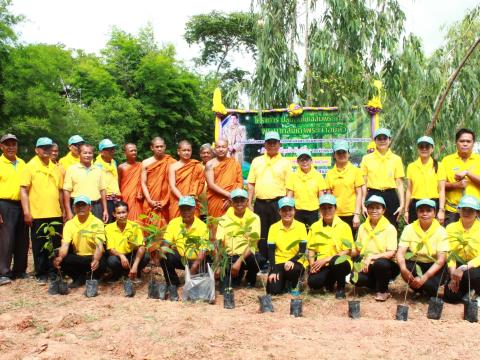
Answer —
35 325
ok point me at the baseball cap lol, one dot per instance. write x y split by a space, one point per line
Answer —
304 152
272 135
75 139
426 202
8 137
382 131
469 201
328 199
375 199
239 193
82 198
106 144
425 139
186 201
340 145
44 141
286 201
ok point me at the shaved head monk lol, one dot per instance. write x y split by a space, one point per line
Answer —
129 177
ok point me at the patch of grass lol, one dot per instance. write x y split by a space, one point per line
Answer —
58 334
92 335
90 318
40 327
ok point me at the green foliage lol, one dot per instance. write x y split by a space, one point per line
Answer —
49 233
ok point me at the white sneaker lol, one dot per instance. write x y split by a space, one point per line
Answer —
4 280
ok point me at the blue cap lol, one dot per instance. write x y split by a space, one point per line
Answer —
425 139
106 144
382 131
239 193
328 199
375 199
186 201
286 201
340 145
44 141
82 198
272 135
469 201
75 139
425 202
304 152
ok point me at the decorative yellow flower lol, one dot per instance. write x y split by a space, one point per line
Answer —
295 110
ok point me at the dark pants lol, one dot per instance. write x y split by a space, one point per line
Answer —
430 288
13 239
474 275
307 217
249 266
42 259
117 269
391 201
349 221
450 217
267 210
412 210
111 209
329 275
169 266
78 266
380 272
293 275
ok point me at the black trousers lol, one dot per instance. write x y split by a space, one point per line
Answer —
267 210
349 221
474 275
412 210
329 275
307 217
430 288
391 201
13 239
450 217
169 266
380 272
293 275
78 266
42 259
249 269
115 265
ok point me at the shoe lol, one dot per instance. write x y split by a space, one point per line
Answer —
4 280
41 280
137 281
250 285
382 296
20 276
340 294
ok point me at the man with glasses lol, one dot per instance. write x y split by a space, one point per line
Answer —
73 157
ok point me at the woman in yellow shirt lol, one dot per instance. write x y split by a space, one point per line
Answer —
464 239
425 180
376 246
286 264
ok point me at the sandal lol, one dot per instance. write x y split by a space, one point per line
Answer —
382 296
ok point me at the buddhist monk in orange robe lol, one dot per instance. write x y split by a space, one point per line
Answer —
129 174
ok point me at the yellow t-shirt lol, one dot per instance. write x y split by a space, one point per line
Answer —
424 179
381 239
10 178
110 175
466 243
174 235
84 237
424 245
230 224
328 240
306 188
269 176
282 238
126 241
80 180
68 160
343 183
453 164
382 170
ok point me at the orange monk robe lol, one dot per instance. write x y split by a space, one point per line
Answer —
190 180
228 175
157 184
131 190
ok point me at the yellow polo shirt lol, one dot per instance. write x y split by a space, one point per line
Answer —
424 179
68 160
433 240
110 175
126 241
10 178
329 240
43 183
381 239
269 176
382 170
84 237
342 183
230 224
453 163
80 180
465 243
306 188
283 238
174 236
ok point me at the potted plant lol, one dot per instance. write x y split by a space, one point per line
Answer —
220 265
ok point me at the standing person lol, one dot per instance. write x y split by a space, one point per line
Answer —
267 182
42 203
345 181
87 179
463 174
383 173
425 180
13 239
306 185
186 177
223 175
129 177
206 153
54 154
235 134
73 156
154 180
107 163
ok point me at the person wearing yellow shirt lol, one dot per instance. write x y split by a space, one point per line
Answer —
305 185
375 247
345 181
42 203
286 265
73 156
328 239
267 180
464 240
85 236
176 236
425 180
108 165
241 260
383 174
426 240
463 174
126 245
13 238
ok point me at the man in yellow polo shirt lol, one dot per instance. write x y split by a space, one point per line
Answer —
267 182
86 179
108 165
42 202
463 174
82 245
73 156
13 240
